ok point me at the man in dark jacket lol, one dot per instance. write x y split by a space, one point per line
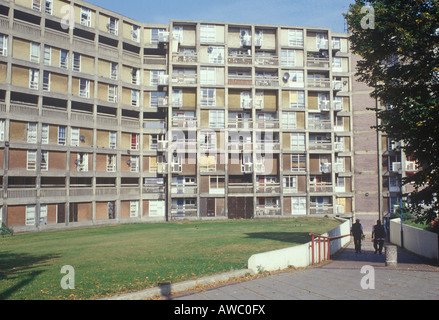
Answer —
357 233
378 237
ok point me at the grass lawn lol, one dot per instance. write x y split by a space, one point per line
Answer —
123 258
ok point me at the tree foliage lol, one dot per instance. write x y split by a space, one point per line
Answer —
400 61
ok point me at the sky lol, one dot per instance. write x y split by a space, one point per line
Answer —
303 13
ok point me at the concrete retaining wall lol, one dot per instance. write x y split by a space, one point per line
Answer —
418 241
298 256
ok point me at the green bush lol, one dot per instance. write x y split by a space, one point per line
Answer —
5 230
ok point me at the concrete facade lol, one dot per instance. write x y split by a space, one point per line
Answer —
109 120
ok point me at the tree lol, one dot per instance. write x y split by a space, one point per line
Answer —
399 45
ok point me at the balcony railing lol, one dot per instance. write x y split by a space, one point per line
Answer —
240 59
321 187
190 57
321 208
267 145
320 145
319 124
186 122
268 188
317 62
268 211
267 60
184 78
266 124
240 188
319 82
240 123
267 81
183 190
244 80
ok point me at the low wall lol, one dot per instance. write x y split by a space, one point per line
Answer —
298 256
418 241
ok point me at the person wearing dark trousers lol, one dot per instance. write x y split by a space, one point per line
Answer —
378 237
357 233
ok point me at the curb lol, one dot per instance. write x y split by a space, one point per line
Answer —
169 288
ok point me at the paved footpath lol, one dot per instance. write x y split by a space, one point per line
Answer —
340 279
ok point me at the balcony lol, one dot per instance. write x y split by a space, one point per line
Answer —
268 211
267 124
240 146
325 168
396 167
339 168
267 145
339 147
184 210
153 188
410 166
337 85
321 187
154 124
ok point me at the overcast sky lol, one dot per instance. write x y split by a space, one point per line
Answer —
304 13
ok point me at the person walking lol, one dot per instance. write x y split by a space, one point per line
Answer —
357 233
378 236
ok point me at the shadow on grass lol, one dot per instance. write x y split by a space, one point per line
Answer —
22 267
290 237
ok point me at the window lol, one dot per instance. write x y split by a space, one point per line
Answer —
157 98
135 98
31 160
177 33
34 76
208 97
216 119
62 135
84 88
298 206
134 141
289 120
298 163
49 7
135 79
113 26
36 5
290 184
134 209
45 134
134 164
43 213
76 62
322 41
44 161
86 17
2 130
30 215
245 37
136 34
177 98
112 93
297 99
31 132
207 33
112 143
208 140
111 163
47 55
288 58
295 38
157 77
3 45
113 71
82 162
156 35
64 59
207 75
296 78
217 185
74 137
216 54
46 81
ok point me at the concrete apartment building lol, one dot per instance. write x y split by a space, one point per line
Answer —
113 121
